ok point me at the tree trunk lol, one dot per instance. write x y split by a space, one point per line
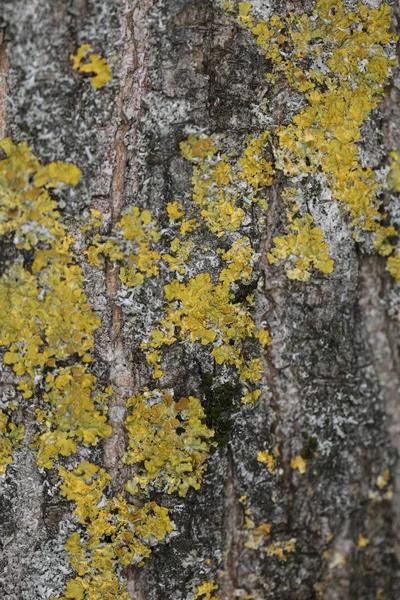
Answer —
300 498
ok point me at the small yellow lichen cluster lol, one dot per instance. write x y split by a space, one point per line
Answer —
218 182
130 244
256 538
267 458
117 534
95 220
299 463
44 316
10 437
303 247
339 60
205 591
96 65
394 266
394 173
281 549
71 414
168 439
394 182
200 310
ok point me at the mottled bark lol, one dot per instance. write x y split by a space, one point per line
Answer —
331 372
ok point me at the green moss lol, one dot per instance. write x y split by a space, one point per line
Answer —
309 447
221 402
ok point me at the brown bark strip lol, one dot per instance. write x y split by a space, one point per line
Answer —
232 534
121 377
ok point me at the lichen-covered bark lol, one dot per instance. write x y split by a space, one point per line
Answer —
329 410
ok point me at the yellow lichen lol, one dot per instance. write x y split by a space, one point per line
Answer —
227 5
257 535
174 210
362 541
130 243
394 173
383 479
304 248
117 534
268 459
394 266
168 440
218 180
181 261
84 486
96 65
205 591
257 171
45 317
200 310
95 220
256 538
300 464
281 549
11 436
340 61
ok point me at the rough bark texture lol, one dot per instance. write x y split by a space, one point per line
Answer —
332 370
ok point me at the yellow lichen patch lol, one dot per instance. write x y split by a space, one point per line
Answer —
118 534
254 167
304 248
340 61
84 486
202 311
26 208
281 549
168 440
205 591
131 244
44 315
96 65
394 173
394 266
174 210
95 220
11 436
179 259
362 541
46 324
300 464
245 17
383 479
227 5
268 459
218 180
251 397
257 536
71 414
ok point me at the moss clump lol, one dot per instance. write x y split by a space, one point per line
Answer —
221 402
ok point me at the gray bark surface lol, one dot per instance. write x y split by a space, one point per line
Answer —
332 370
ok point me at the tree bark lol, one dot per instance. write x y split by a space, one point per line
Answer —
330 387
